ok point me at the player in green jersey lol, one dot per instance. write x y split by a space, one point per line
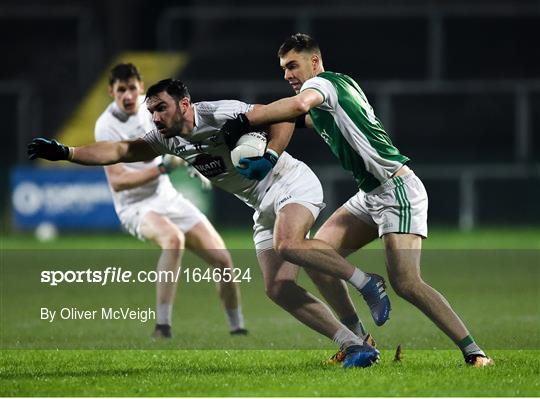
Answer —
391 202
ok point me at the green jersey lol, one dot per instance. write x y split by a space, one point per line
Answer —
346 122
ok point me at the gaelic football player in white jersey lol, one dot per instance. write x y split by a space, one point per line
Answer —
391 202
150 208
286 196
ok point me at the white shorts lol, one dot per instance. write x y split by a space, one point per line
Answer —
178 209
399 205
295 185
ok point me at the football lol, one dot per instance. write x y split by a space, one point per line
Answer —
252 144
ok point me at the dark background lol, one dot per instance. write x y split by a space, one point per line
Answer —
457 84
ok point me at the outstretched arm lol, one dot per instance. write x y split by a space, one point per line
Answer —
286 108
100 153
111 152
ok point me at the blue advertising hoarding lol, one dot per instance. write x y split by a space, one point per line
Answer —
66 197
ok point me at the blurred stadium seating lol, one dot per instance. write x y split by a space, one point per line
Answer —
456 85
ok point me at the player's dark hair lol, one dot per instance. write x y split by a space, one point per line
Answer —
123 72
173 87
299 42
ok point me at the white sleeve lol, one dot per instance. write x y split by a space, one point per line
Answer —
159 144
221 111
327 90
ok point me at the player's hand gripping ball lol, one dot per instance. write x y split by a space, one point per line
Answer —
250 145
251 158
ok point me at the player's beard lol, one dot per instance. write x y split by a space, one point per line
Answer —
177 124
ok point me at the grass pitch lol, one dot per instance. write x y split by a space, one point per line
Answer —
261 373
496 293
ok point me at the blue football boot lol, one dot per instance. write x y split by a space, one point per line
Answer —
374 294
360 356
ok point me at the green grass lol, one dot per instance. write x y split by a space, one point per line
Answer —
257 373
491 277
439 238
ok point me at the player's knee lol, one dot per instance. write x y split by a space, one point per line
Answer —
172 240
277 291
221 258
272 291
405 288
287 248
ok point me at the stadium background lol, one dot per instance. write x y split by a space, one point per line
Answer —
456 85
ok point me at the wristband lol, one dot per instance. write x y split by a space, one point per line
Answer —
272 156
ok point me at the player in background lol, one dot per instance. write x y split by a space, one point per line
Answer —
286 201
150 208
391 203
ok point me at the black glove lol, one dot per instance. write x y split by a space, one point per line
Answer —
47 149
235 128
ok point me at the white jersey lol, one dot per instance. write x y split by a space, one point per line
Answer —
115 125
206 150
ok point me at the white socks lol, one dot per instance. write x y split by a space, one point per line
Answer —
235 318
359 279
164 313
345 338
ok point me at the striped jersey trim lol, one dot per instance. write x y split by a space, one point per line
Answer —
317 90
404 206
